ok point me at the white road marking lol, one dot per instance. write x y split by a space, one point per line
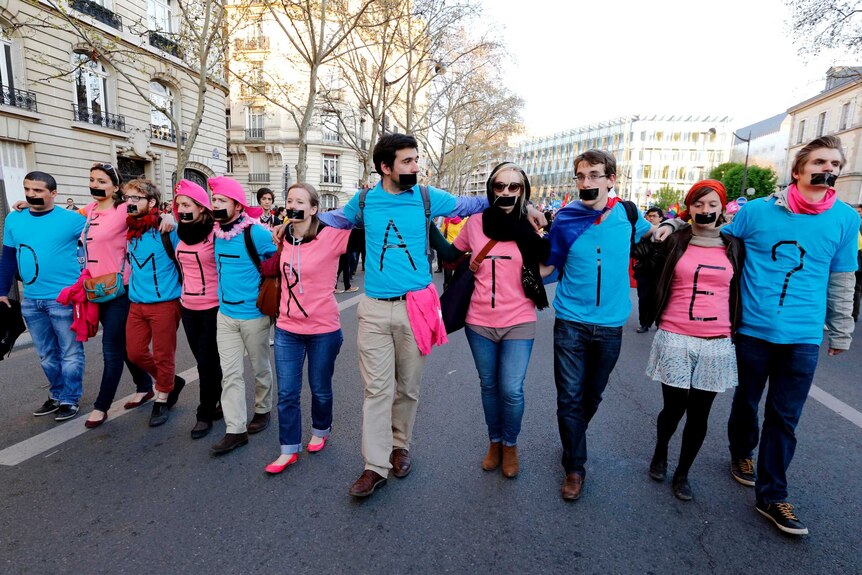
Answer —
350 302
56 436
836 405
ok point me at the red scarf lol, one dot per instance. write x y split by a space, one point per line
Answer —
611 203
137 226
799 205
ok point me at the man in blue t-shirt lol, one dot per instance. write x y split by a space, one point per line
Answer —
801 255
154 293
591 243
240 326
40 245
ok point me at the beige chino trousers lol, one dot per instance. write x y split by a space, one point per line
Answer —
235 336
391 368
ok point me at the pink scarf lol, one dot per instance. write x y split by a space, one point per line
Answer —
799 205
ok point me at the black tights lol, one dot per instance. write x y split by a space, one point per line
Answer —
677 402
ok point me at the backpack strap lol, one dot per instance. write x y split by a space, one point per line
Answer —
362 193
426 202
633 215
169 249
249 246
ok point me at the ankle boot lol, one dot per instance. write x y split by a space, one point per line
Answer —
493 457
510 461
658 466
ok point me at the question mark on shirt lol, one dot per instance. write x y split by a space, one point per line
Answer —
791 272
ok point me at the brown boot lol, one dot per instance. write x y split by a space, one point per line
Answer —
510 461
493 457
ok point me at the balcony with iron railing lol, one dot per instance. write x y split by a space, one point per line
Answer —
255 133
112 121
251 44
256 90
167 134
98 12
18 98
330 180
258 178
331 136
165 44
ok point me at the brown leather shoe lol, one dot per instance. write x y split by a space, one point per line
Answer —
258 423
510 461
401 464
572 486
366 484
493 457
229 442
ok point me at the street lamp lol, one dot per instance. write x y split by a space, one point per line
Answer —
439 69
745 169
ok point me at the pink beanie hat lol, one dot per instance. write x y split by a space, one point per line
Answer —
192 190
232 189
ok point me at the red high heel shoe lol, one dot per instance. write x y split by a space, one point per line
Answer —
275 469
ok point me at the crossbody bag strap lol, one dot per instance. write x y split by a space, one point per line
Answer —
474 265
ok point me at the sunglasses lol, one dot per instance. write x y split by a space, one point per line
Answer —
105 168
500 186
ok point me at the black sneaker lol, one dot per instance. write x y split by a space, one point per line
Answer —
783 516
642 329
658 469
159 416
66 412
682 488
743 471
47 408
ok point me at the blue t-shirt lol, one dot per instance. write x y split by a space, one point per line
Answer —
396 234
788 258
238 278
46 248
154 276
595 285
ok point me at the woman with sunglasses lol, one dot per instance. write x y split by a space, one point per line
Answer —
104 239
692 355
501 319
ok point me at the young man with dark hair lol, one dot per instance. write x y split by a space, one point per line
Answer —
645 273
390 363
591 244
154 293
40 245
266 199
802 246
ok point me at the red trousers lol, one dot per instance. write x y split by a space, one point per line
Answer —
156 323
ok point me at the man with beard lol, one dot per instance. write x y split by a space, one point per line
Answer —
591 243
240 246
40 244
154 292
199 301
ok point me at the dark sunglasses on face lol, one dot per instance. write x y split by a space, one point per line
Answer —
513 187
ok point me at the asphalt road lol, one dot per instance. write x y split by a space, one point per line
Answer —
125 498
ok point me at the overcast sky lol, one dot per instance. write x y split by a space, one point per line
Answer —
575 64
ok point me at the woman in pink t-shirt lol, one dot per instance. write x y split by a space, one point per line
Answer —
692 354
105 239
501 319
199 301
307 324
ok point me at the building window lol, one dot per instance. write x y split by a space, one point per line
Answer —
10 92
821 124
665 173
328 202
91 93
845 116
254 122
330 169
160 16
647 172
162 99
258 168
329 127
800 132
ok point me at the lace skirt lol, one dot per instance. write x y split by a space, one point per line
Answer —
692 362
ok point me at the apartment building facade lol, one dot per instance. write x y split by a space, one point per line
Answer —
837 110
651 152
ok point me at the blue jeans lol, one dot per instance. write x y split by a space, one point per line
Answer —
584 357
290 352
62 357
502 367
790 371
112 316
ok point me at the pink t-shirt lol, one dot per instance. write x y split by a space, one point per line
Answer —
106 240
308 273
498 299
200 279
698 304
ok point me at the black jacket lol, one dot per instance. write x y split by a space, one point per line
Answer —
669 252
